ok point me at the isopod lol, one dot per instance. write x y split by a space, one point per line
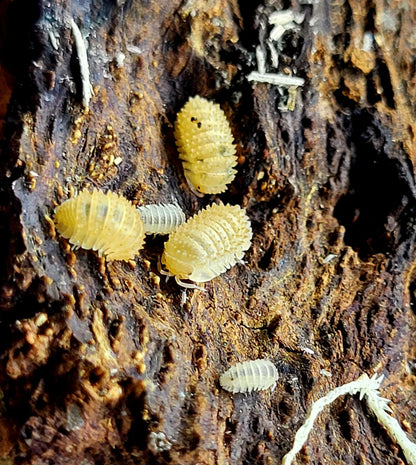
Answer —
208 244
107 223
161 219
205 144
252 375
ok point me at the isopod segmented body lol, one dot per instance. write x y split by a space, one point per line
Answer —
208 243
161 219
108 223
205 144
253 375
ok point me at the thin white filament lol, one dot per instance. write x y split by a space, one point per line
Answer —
380 408
362 383
277 79
87 91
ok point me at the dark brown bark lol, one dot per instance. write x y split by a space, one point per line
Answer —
101 363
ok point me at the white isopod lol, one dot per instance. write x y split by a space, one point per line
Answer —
161 219
252 375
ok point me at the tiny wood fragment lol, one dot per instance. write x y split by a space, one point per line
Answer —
102 363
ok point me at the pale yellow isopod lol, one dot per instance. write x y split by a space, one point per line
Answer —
205 144
107 223
208 244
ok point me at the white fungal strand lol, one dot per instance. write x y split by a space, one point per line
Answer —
363 385
368 388
282 17
380 408
253 375
87 90
161 219
277 79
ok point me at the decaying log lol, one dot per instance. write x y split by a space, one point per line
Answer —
102 362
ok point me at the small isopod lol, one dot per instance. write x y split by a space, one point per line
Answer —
108 223
205 144
161 219
252 375
207 244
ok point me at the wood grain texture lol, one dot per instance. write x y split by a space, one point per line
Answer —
101 363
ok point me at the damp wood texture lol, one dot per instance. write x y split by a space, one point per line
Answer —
107 362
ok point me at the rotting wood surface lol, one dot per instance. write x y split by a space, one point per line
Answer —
101 362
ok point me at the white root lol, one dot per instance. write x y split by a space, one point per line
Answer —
368 389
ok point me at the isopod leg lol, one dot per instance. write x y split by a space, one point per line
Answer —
162 271
189 285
